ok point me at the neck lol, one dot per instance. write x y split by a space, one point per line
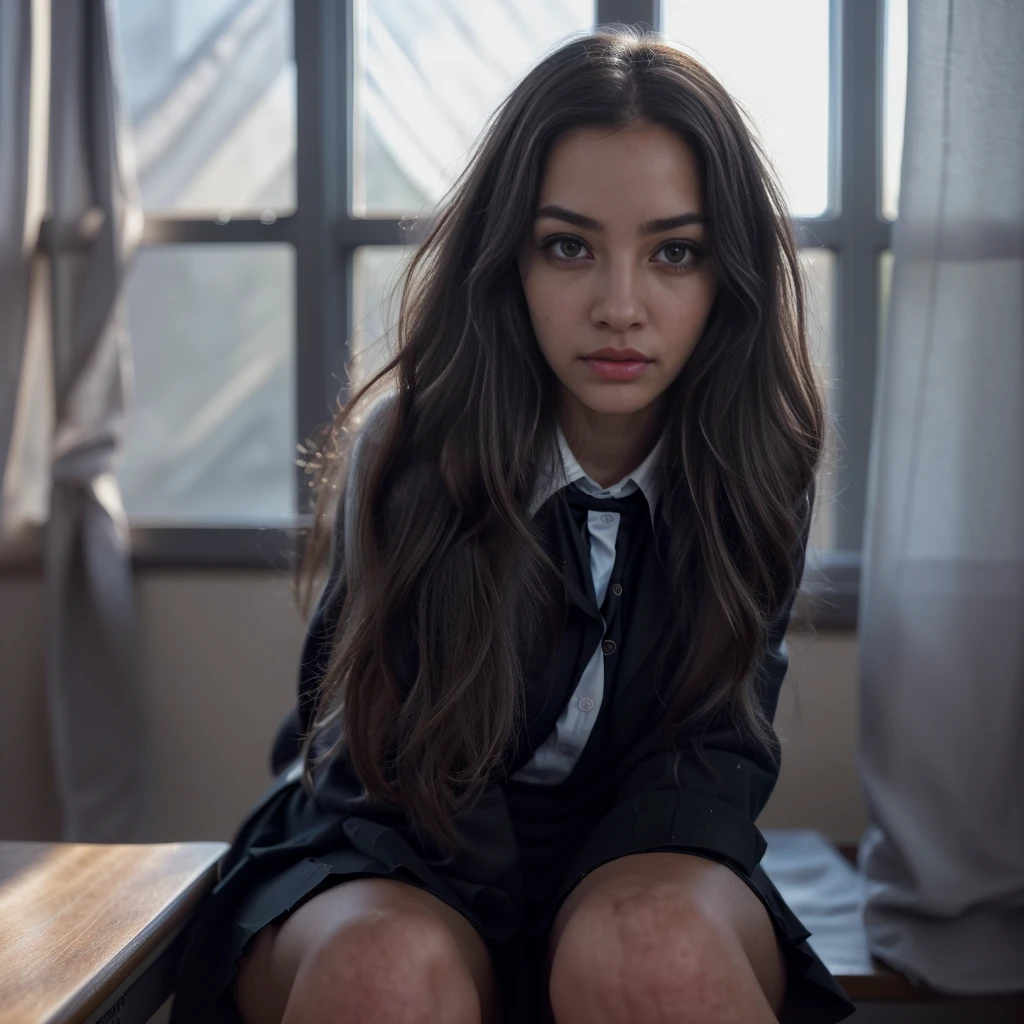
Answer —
608 446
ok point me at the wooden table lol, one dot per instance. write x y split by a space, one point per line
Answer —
91 933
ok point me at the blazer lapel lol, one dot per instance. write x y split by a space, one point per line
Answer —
546 703
652 611
651 615
581 632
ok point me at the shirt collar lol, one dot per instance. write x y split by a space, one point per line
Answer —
552 479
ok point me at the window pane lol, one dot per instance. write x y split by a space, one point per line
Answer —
428 74
376 295
211 92
212 436
773 58
819 268
894 90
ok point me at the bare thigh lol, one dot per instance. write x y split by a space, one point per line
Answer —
273 957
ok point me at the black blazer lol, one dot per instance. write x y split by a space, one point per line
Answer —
713 811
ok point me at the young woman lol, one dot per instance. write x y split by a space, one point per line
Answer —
534 721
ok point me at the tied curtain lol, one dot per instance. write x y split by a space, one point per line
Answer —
64 393
941 635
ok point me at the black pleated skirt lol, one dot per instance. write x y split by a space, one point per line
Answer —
524 848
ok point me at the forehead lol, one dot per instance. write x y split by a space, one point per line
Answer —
636 173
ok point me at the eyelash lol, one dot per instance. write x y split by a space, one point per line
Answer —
680 268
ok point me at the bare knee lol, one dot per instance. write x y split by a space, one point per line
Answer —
648 955
387 967
347 959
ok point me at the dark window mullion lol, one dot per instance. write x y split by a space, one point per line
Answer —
160 230
170 230
628 12
863 234
815 232
353 232
839 232
323 274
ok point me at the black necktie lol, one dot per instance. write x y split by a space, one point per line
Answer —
581 502
630 508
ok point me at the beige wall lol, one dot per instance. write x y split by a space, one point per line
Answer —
221 653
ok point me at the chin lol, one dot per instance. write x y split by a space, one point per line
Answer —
615 399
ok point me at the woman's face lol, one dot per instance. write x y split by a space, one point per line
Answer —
616 260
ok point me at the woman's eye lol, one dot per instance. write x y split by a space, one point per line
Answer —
675 253
568 248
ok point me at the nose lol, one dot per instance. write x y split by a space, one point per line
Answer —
619 304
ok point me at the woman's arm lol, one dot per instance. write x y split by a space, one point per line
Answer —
714 808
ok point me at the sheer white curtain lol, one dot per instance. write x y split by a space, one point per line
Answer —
24 110
941 749
67 317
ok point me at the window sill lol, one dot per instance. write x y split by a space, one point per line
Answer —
216 547
830 592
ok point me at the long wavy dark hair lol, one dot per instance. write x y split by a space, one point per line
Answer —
448 593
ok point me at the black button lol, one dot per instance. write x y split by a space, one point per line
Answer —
608 647
617 589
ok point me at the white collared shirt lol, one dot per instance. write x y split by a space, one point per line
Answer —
556 757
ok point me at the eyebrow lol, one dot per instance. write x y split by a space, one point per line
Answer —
650 227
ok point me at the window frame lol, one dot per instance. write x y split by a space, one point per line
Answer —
325 236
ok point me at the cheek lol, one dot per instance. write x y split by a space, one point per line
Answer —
550 304
687 310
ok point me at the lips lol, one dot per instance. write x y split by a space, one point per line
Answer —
619 355
617 369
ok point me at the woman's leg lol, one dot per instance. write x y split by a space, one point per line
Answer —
659 937
368 951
